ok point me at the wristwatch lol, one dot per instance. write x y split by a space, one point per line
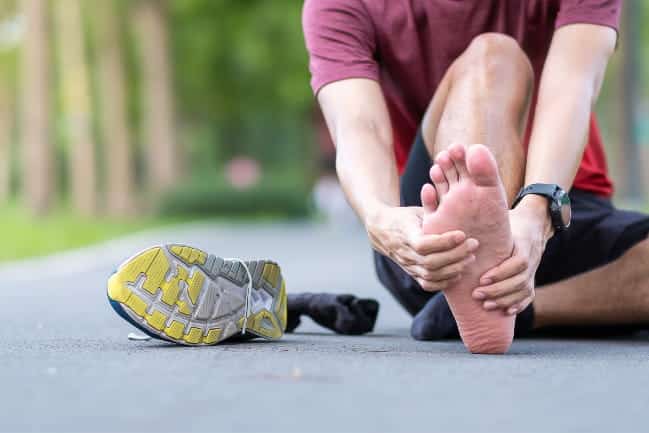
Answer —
558 203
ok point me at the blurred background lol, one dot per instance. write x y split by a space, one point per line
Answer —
120 115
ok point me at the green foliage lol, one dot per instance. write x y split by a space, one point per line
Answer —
241 88
278 194
241 79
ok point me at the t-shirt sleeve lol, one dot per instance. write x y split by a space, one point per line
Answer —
601 12
340 40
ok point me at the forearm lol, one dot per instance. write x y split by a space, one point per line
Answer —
367 170
358 121
559 134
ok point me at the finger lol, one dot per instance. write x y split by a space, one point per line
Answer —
418 271
445 273
443 159
506 302
407 257
439 180
516 309
457 254
503 288
435 286
428 244
453 269
507 269
429 198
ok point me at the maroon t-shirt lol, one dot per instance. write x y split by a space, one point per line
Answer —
407 46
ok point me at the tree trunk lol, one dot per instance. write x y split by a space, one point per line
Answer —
115 131
75 87
38 166
158 109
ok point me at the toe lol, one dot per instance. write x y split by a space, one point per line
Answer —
439 180
429 198
482 166
458 156
448 167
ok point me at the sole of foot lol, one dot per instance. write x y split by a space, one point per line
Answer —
183 295
468 195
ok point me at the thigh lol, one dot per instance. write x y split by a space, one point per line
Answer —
416 173
599 234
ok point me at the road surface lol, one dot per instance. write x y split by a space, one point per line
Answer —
67 365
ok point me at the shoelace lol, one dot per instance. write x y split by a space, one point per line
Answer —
137 337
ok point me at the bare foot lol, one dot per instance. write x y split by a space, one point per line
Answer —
469 196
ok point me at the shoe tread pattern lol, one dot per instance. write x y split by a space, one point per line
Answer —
186 296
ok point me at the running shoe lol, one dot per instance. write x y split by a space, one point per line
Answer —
183 295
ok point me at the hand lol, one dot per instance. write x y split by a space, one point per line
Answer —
510 285
434 261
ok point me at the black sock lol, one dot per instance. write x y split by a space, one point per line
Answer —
436 322
343 314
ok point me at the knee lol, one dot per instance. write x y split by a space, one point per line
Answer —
495 58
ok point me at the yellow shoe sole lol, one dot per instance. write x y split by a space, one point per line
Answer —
184 295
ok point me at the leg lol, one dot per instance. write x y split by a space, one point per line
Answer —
484 98
490 84
614 294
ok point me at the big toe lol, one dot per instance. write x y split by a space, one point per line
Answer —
482 166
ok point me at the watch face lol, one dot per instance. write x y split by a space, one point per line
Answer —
565 208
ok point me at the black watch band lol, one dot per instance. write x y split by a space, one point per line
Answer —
558 202
544 189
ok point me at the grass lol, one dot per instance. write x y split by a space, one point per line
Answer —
26 236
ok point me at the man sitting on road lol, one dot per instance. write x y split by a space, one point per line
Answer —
409 84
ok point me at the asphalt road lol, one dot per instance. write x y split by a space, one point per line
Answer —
67 365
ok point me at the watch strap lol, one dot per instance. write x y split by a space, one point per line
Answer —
552 193
546 190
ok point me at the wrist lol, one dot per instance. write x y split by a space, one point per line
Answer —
373 214
535 208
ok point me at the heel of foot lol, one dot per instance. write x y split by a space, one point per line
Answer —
489 345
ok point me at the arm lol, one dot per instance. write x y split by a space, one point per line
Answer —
570 84
359 123
360 127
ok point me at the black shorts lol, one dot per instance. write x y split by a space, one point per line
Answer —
599 233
